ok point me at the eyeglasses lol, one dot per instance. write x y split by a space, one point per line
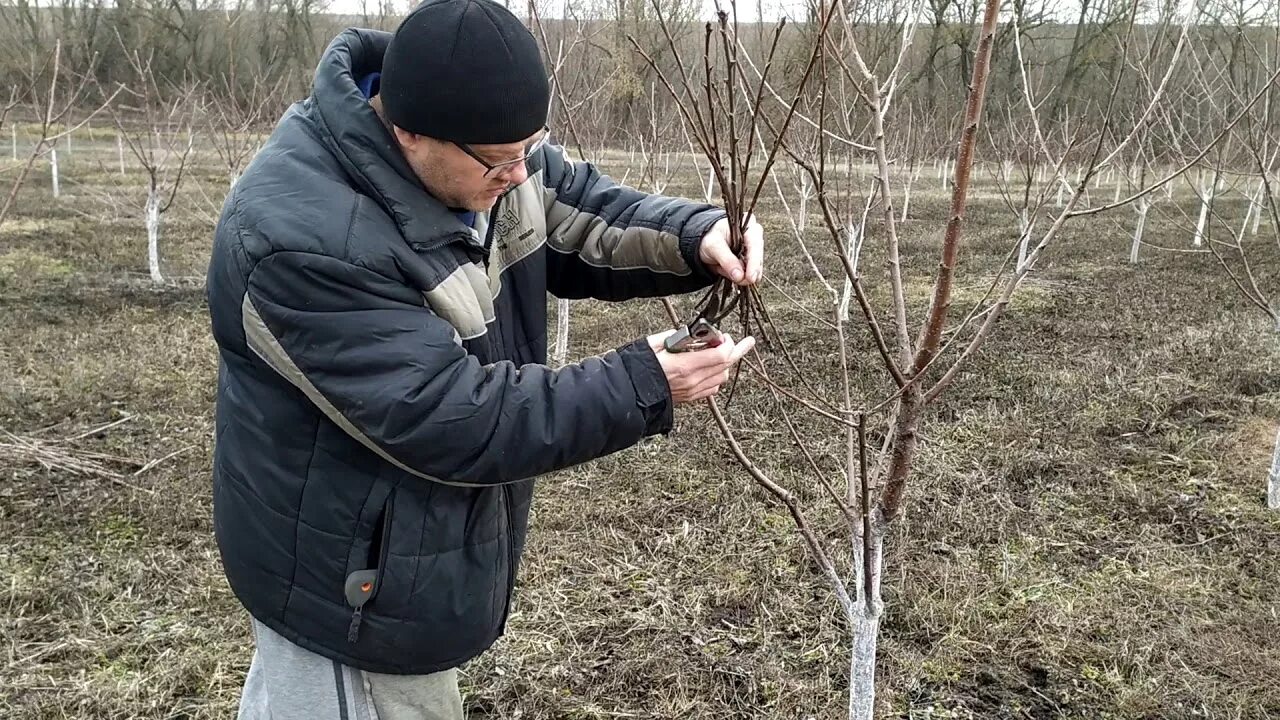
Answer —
495 169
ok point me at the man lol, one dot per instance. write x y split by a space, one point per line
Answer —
378 294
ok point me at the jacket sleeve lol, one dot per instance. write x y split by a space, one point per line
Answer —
612 242
378 363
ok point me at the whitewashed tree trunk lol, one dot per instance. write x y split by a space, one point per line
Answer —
13 131
711 182
853 245
1025 226
1257 207
562 332
1206 198
867 613
120 151
802 217
1141 207
1062 186
942 176
1273 478
153 233
1116 199
53 168
906 195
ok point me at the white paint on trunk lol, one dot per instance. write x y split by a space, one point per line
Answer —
120 151
853 246
711 182
13 131
1244 226
865 633
906 197
562 332
1025 226
1062 186
1257 207
1206 198
802 218
1273 478
53 167
153 234
1141 207
862 666
1116 199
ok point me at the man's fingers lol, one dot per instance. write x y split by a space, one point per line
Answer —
722 258
755 252
656 341
741 349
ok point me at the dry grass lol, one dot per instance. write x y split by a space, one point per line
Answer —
1085 536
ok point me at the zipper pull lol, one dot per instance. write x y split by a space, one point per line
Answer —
358 591
353 632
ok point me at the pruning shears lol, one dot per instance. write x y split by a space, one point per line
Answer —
697 335
701 332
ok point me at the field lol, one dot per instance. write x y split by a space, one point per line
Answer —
1086 535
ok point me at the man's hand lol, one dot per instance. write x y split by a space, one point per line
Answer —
700 373
720 259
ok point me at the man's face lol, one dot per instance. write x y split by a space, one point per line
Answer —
459 180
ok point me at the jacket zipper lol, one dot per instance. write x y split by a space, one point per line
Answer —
362 585
511 557
493 224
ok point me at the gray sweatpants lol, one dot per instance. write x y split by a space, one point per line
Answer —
286 682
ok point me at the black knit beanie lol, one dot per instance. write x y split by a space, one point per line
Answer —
466 71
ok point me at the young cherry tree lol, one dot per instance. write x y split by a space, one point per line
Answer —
53 96
729 104
158 130
1231 238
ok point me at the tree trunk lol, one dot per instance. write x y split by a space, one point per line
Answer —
1273 478
906 196
802 217
153 234
1024 228
14 132
1257 207
844 299
1206 197
1142 208
562 332
865 634
120 151
852 247
53 167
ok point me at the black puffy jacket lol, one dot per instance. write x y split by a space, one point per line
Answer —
382 404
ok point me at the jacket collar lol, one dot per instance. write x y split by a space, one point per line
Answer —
356 135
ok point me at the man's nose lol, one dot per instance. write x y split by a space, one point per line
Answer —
518 173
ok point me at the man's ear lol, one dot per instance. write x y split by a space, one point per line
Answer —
406 139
